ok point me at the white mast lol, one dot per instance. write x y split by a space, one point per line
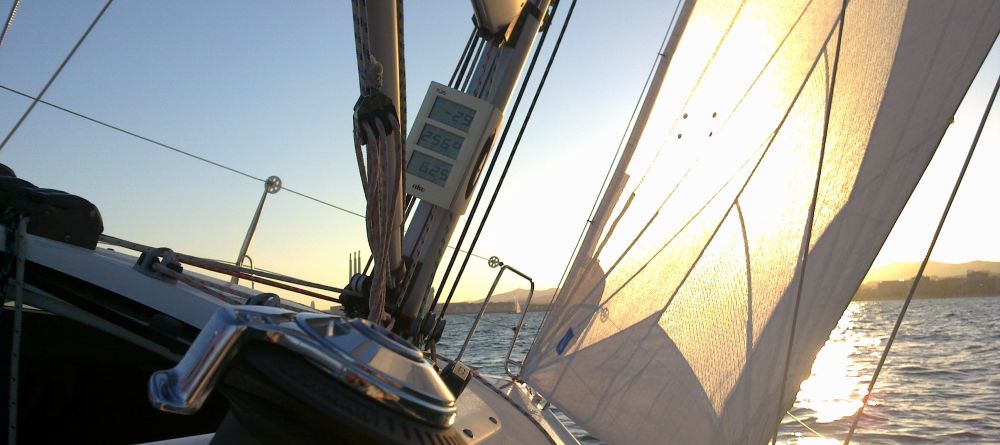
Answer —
432 227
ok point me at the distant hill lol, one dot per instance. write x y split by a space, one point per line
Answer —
905 271
542 296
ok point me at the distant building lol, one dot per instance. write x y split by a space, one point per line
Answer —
976 283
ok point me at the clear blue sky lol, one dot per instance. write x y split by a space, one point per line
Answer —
268 88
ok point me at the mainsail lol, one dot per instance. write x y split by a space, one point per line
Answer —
676 326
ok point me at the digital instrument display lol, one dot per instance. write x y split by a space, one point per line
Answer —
426 167
447 145
452 113
440 141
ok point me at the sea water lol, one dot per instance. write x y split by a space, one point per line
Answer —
940 384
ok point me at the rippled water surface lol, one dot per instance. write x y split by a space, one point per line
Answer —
941 383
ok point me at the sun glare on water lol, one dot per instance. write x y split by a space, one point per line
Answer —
838 382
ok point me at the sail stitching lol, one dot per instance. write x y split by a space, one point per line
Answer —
604 184
930 249
749 326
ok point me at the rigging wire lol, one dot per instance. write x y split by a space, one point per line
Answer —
789 413
468 78
810 217
52 79
513 151
607 175
489 170
222 266
10 21
923 264
463 59
175 149
191 155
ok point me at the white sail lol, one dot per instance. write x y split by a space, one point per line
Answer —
517 306
677 329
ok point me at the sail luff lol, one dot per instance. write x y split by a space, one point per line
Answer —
617 182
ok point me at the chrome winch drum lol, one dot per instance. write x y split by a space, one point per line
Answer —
331 370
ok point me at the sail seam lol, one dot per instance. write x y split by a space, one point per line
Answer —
807 235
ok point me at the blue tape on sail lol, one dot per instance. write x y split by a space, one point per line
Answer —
564 342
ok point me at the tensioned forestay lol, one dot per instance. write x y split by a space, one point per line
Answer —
676 332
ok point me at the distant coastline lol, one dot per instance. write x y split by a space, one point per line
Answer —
976 283
887 282
492 308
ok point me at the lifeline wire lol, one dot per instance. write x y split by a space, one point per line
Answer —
192 155
923 264
54 75
174 149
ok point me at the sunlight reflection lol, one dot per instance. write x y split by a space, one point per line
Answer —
814 441
837 384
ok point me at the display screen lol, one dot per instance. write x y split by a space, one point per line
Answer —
442 142
426 167
453 114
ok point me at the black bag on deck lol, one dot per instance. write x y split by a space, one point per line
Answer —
55 215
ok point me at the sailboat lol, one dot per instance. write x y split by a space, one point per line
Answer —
517 306
693 306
